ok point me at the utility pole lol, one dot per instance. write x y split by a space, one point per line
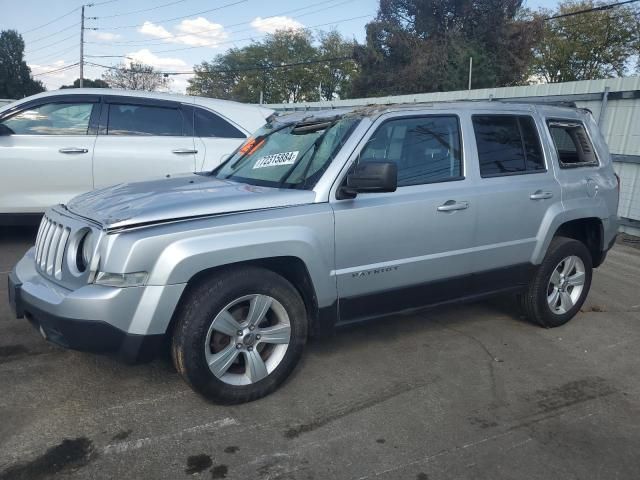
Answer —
470 70
82 46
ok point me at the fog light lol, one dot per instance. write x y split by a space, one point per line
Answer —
121 280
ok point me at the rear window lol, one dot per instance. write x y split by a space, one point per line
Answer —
507 145
572 144
208 124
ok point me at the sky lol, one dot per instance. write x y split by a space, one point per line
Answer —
171 35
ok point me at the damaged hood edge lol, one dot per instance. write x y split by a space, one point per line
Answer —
183 197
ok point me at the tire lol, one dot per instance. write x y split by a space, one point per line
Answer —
249 363
546 300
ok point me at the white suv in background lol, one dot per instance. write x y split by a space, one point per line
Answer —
56 145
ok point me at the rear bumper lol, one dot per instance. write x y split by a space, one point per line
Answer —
123 321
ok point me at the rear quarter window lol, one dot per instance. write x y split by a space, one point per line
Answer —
572 143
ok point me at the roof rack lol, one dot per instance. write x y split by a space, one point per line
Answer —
537 101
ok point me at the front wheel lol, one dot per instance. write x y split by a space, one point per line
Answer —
239 334
560 285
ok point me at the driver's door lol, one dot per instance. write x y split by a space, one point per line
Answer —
401 250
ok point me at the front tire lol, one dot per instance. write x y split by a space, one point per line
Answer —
239 334
560 285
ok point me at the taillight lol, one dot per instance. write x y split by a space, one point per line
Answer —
618 186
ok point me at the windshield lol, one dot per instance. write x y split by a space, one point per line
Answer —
291 155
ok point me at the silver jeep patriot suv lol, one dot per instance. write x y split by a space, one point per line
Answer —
324 219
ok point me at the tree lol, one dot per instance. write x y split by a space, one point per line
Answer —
598 44
87 83
136 76
424 45
15 76
335 76
286 67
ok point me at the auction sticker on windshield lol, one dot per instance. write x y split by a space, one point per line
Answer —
277 159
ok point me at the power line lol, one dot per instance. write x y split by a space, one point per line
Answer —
587 10
239 70
132 12
286 12
66 67
53 55
313 27
100 3
58 42
51 21
55 33
179 18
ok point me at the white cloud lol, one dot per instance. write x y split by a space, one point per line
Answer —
153 30
105 36
161 63
272 24
198 32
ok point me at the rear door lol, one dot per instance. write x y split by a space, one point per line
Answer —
46 153
215 136
517 189
142 139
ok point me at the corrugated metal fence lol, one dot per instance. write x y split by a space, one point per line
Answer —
615 102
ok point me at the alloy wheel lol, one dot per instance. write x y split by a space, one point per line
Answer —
248 339
566 285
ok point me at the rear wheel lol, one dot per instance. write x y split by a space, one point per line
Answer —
561 284
239 334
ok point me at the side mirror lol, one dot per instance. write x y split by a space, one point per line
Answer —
4 130
371 177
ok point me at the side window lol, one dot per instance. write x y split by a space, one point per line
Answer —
507 144
426 149
144 120
572 144
52 119
208 124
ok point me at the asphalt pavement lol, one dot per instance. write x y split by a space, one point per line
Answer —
463 392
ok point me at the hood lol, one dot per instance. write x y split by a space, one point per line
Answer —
179 197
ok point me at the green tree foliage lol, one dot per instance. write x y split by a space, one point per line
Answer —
424 45
87 83
136 76
15 76
286 67
599 44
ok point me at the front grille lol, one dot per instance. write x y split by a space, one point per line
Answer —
51 244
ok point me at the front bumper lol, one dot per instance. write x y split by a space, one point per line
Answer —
130 322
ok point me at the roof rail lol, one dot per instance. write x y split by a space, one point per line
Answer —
538 101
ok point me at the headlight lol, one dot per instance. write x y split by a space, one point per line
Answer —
84 252
121 280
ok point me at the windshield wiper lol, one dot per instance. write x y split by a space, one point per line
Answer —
316 143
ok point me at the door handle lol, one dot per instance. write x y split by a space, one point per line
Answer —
184 151
73 150
452 205
540 195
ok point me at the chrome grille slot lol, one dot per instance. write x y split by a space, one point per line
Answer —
53 247
43 222
46 243
51 244
62 246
